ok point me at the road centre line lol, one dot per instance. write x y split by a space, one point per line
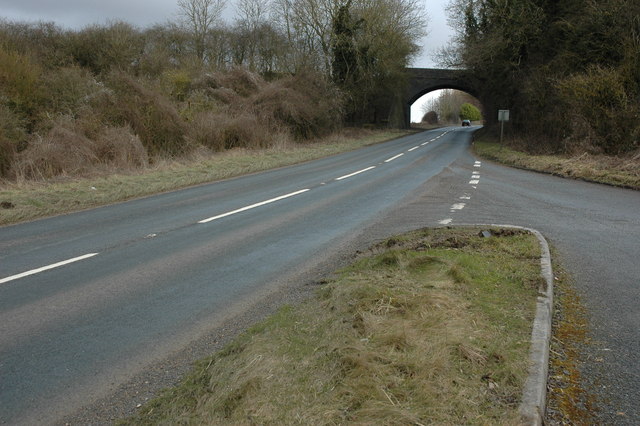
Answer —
46 268
355 173
414 148
253 206
393 158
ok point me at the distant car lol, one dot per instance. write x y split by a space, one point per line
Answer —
466 123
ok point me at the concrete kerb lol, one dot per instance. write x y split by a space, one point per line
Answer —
534 394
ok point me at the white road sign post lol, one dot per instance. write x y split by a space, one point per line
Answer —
503 115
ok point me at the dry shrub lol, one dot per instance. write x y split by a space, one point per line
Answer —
7 154
68 89
120 148
237 80
306 104
177 83
63 151
430 118
153 118
218 131
19 80
12 136
224 96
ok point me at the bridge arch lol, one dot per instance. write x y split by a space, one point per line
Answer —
424 80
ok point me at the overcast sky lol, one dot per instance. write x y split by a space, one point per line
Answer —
76 14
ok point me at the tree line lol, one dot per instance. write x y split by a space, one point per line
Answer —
115 93
568 70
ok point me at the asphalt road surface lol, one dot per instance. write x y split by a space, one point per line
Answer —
94 304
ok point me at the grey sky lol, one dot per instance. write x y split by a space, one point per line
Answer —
142 13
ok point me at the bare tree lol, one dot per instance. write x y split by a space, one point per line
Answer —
199 16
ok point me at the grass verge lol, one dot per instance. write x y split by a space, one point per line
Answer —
32 200
617 171
431 327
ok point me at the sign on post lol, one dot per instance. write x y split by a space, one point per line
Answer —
503 115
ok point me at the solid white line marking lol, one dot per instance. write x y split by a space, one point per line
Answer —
46 268
414 148
445 221
253 206
356 173
474 182
393 158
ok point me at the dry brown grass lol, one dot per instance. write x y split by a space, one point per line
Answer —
623 170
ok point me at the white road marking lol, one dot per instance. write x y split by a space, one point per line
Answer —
445 221
475 176
253 206
356 173
465 197
477 164
474 182
46 268
458 206
414 148
393 158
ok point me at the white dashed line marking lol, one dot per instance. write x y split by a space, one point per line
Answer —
356 173
393 158
414 148
445 221
474 182
458 206
253 206
46 268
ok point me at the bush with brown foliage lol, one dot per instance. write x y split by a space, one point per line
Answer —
305 104
62 151
120 148
152 117
67 150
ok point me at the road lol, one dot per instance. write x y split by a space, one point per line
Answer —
93 304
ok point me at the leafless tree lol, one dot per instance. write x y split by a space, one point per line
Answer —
199 17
